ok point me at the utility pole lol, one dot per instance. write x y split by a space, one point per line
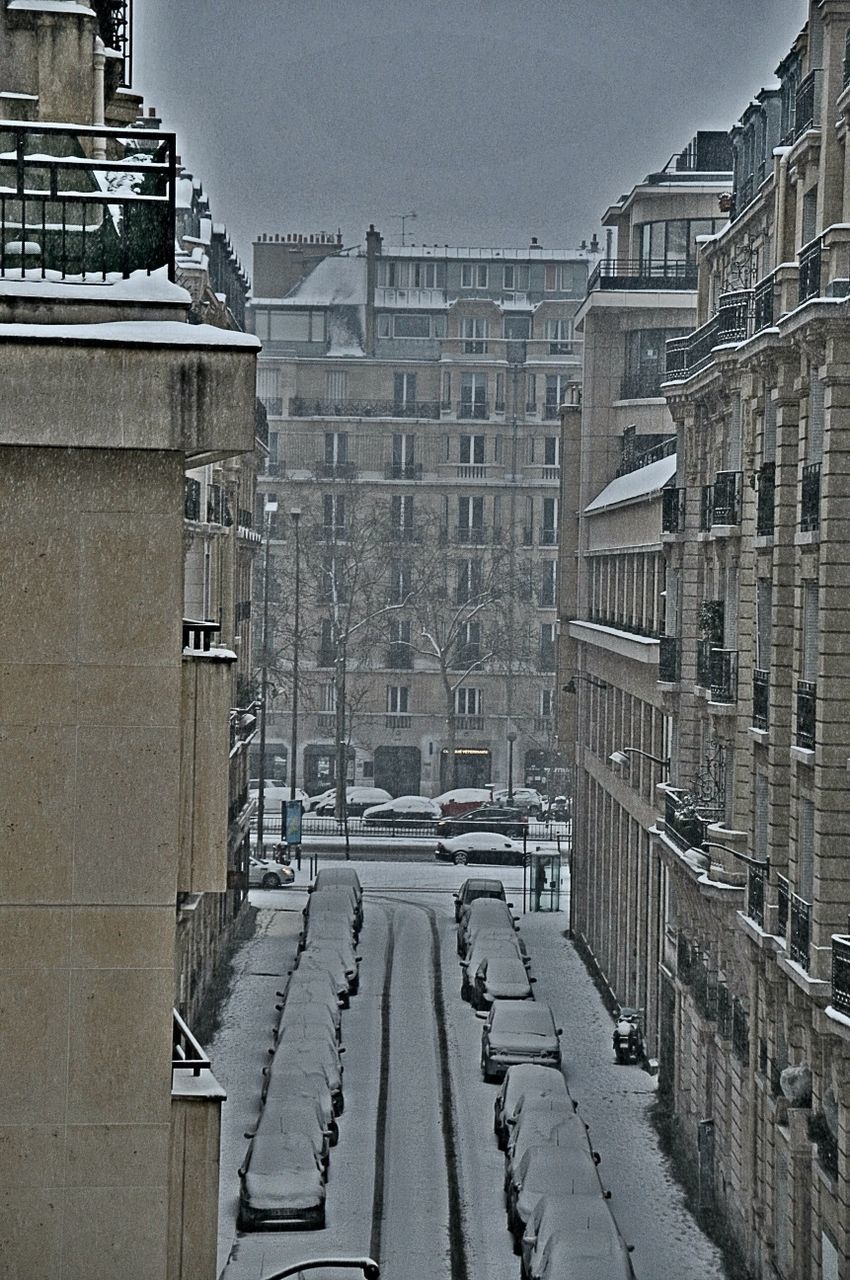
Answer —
269 510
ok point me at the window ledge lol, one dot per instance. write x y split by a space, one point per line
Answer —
759 735
803 755
810 538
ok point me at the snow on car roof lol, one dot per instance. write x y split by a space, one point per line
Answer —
524 1014
463 795
482 839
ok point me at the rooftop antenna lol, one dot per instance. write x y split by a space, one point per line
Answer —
405 217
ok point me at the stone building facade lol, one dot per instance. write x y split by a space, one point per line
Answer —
614 612
114 737
413 396
756 1019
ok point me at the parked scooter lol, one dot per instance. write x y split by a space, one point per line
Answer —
628 1035
280 853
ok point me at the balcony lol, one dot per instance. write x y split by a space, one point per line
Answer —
330 533
479 409
323 469
192 499
841 973
475 723
686 356
673 511
326 722
807 110
783 898
810 498
761 698
704 648
83 217
396 720
547 537
472 471
810 258
635 273
307 407
800 936
685 827
756 893
641 385
806 705
733 315
726 498
198 636
763 303
766 500
668 659
403 471
724 675
474 535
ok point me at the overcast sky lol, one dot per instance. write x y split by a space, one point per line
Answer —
494 120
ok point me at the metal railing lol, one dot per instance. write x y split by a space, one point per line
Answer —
473 409
724 675
687 830
198 635
801 912
396 720
726 498
473 535
642 273
807 110
704 648
308 407
761 698
766 500
841 972
810 257
66 212
672 510
686 355
763 304
641 385
733 315
806 704
469 722
115 27
783 898
756 893
403 471
192 499
324 469
724 1012
683 958
186 1053
668 659
810 498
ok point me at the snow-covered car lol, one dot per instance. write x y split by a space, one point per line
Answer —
301 1011
547 1171
518 1031
282 1184
483 913
274 795
559 809
489 945
557 1127
356 800
312 1056
473 889
574 1236
301 1081
293 1112
335 900
329 965
268 873
327 945
461 800
499 978
524 1080
526 798
331 877
506 820
407 811
489 847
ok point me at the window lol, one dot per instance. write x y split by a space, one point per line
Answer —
469 579
470 513
424 275
549 531
447 389
517 328
809 655
760 817
400 632
556 393
326 644
548 597
399 582
670 248
473 391
548 645
551 451
467 701
336 448
545 703
327 697
514 276
559 335
336 384
508 276
572 279
645 362
550 277
289 326
472 449
469 644
401 515
531 392
398 699
404 449
333 508
474 334
404 390
814 433
764 622
411 324
334 579
383 323
473 275
806 850
407 275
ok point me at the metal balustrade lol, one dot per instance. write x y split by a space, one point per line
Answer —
810 498
673 511
309 407
726 498
810 259
761 698
763 303
198 635
806 712
807 110
642 273
733 315
783 895
756 893
685 827
723 675
668 659
841 973
800 931
766 500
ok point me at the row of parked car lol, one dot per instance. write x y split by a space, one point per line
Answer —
378 808
558 1211
283 1176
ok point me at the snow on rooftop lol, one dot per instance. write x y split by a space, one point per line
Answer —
52 6
137 287
155 333
635 485
333 281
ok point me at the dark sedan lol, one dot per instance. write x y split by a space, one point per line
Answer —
506 819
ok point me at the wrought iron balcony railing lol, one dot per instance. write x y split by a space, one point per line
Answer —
192 499
704 648
733 315
740 1031
800 931
756 887
761 698
396 720
475 723
766 500
807 110
309 407
473 409
841 973
810 498
687 355
724 675
115 27
726 498
810 258
642 273
80 201
668 659
403 471
673 511
783 898
806 705
763 304
474 535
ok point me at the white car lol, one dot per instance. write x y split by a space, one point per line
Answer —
480 846
274 796
356 800
404 810
267 873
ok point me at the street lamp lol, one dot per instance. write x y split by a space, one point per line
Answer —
621 757
269 510
295 517
512 737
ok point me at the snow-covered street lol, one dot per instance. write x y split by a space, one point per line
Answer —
422 1189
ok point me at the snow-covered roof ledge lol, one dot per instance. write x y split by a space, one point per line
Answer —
635 486
53 6
139 286
626 644
125 333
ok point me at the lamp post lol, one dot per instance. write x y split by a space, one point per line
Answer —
295 517
621 757
268 511
511 740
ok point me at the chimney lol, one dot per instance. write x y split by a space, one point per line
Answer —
374 244
594 243
534 243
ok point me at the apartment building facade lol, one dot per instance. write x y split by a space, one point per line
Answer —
115 740
753 837
413 396
614 612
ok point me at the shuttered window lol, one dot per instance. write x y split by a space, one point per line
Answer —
764 622
814 435
760 817
337 384
806 849
809 664
768 448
